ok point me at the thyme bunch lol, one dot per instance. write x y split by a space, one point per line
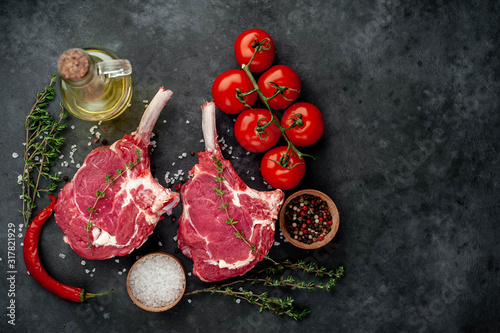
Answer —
280 306
43 143
277 305
110 180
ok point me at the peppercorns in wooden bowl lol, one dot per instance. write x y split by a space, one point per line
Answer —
309 219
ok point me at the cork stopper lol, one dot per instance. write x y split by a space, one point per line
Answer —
73 64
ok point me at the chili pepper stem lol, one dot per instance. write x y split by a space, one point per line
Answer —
84 295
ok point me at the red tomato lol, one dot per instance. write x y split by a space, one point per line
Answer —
312 128
224 91
244 51
247 136
283 76
278 176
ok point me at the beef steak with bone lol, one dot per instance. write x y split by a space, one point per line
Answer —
203 235
131 206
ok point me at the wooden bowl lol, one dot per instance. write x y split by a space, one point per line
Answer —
145 306
333 211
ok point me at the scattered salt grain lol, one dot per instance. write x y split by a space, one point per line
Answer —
99 123
124 270
187 121
238 301
89 144
117 260
160 244
173 163
15 155
72 126
276 243
145 101
93 270
87 271
175 238
62 255
189 300
247 153
92 129
164 121
91 275
184 154
106 315
78 165
61 157
156 281
252 178
120 272
202 140
83 262
19 179
189 273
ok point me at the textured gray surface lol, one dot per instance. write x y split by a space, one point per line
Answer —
410 154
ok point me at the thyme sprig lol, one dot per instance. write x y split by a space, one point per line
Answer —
277 305
230 221
43 144
280 306
110 180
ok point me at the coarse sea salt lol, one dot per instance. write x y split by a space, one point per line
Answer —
156 280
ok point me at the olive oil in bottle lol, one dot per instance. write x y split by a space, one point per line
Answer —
94 84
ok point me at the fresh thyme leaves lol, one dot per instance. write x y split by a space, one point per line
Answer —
280 306
218 190
43 144
110 180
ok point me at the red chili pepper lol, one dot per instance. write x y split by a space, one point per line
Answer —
32 261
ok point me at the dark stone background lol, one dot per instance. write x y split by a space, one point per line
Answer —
409 92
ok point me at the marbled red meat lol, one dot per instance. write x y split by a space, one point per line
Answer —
131 207
203 235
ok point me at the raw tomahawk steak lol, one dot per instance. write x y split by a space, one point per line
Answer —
132 205
203 235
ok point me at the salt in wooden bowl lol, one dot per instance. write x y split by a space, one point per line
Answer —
152 277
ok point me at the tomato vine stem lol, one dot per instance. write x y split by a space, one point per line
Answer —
265 100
